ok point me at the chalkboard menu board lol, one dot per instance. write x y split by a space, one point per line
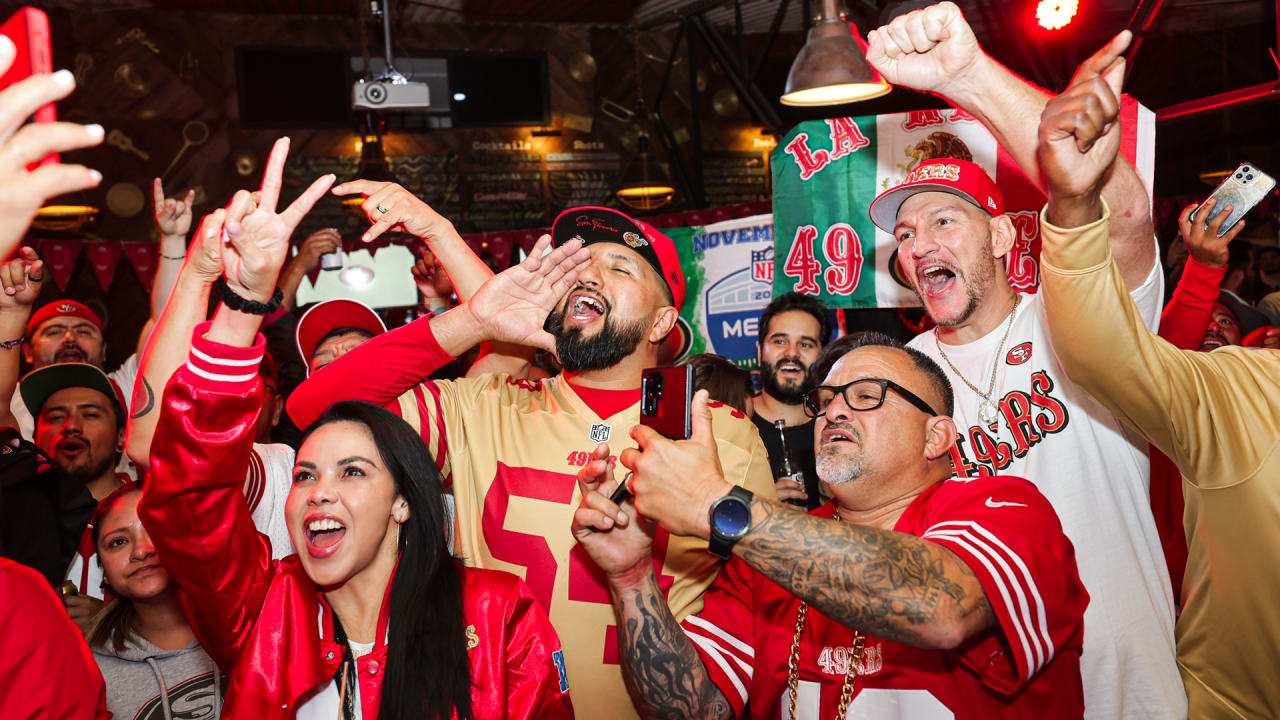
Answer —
581 178
433 178
506 191
299 173
732 177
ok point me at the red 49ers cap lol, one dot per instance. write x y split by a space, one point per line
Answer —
62 307
325 317
950 175
601 224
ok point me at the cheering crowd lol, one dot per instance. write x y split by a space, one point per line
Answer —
1051 505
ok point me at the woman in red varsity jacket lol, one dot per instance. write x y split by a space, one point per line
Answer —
373 618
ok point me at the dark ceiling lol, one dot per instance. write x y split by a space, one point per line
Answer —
1192 49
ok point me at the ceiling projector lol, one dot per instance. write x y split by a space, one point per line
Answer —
384 94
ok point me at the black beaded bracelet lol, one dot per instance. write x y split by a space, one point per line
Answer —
245 305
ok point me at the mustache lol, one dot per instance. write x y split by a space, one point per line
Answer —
845 427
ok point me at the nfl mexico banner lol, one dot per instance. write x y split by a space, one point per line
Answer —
827 172
728 271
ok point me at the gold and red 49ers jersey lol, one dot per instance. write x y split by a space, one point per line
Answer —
512 450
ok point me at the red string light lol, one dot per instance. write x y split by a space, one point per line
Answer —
1055 14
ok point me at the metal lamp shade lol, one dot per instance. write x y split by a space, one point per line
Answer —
645 185
832 68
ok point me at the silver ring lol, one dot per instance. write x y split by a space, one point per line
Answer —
382 210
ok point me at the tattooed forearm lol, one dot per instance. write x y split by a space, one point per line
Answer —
887 584
150 401
663 672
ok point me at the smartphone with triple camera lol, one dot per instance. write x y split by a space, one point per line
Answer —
666 405
1242 190
28 28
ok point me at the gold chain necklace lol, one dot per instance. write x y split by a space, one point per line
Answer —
851 672
987 408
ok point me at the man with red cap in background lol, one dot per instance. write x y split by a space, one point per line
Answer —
1017 411
330 329
511 448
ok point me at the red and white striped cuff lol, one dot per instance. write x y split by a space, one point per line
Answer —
230 367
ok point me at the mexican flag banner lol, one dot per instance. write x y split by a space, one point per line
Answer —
827 172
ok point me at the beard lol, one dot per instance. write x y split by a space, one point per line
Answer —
89 468
785 394
836 467
977 281
580 353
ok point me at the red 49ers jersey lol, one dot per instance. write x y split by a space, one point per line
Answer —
512 450
1028 667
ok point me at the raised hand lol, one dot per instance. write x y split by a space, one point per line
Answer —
317 243
930 50
676 481
173 217
1080 135
22 192
431 279
21 278
617 539
390 207
257 236
205 254
1202 241
513 305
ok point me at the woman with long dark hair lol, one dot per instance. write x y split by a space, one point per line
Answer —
140 639
373 618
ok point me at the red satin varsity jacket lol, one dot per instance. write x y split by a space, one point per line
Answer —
265 623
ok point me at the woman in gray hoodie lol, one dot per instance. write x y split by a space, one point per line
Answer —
153 666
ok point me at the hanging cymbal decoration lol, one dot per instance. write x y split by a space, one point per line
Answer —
582 67
133 81
125 199
725 102
244 161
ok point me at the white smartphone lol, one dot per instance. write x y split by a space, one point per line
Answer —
1242 190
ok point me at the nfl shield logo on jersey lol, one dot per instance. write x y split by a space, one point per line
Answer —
600 433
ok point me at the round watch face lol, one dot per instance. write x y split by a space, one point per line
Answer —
731 517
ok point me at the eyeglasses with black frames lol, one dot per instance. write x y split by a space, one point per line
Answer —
861 395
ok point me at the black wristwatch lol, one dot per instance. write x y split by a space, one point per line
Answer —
730 521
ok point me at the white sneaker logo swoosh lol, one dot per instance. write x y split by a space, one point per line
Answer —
992 503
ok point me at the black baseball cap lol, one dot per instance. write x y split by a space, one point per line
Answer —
601 224
38 385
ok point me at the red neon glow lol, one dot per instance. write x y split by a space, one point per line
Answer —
1054 14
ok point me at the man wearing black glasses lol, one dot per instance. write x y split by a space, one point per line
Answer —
909 595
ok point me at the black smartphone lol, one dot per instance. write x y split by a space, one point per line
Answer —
1242 190
666 405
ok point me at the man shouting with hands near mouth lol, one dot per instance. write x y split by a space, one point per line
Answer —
908 597
1016 409
511 447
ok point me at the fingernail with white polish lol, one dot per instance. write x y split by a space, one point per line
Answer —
6 46
64 77
95 130
96 176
